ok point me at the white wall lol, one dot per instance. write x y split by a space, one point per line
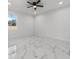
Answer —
55 24
24 26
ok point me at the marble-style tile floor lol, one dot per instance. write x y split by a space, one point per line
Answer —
38 48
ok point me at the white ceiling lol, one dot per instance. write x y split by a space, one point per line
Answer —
21 6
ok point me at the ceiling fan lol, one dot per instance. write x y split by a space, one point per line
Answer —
34 4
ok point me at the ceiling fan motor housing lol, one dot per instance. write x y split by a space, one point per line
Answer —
34 3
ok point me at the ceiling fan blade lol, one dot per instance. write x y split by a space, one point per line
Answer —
38 1
29 2
39 5
29 6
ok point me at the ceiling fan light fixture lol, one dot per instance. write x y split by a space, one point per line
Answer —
34 6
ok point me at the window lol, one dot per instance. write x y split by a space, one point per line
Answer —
11 21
